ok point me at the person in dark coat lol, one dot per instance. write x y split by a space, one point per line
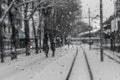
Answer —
45 45
53 48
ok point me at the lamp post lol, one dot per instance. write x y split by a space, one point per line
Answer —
89 28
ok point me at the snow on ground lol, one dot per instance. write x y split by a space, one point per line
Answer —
37 67
26 67
107 70
112 54
80 70
59 69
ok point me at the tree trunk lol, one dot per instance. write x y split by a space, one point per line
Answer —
35 32
40 30
14 33
1 44
1 38
27 36
35 35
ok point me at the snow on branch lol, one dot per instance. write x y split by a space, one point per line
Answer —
3 17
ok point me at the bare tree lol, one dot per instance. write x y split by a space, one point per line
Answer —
26 25
1 36
35 32
11 18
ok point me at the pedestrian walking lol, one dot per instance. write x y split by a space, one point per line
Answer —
45 45
53 48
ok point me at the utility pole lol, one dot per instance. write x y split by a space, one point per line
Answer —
113 37
101 31
89 13
116 12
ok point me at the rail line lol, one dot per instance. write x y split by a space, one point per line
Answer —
87 62
88 65
69 73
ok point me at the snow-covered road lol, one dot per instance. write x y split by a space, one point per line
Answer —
80 69
37 67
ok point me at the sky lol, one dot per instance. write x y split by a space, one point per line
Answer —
108 7
94 5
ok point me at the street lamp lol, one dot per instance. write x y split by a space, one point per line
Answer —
89 28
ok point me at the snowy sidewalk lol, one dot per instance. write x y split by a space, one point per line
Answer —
107 70
27 67
111 54
59 69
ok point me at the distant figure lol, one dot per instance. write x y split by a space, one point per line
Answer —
13 55
57 42
68 44
2 57
45 45
46 49
52 43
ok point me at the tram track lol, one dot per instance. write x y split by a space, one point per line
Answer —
87 64
72 65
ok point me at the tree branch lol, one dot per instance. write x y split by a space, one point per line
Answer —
3 17
26 3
